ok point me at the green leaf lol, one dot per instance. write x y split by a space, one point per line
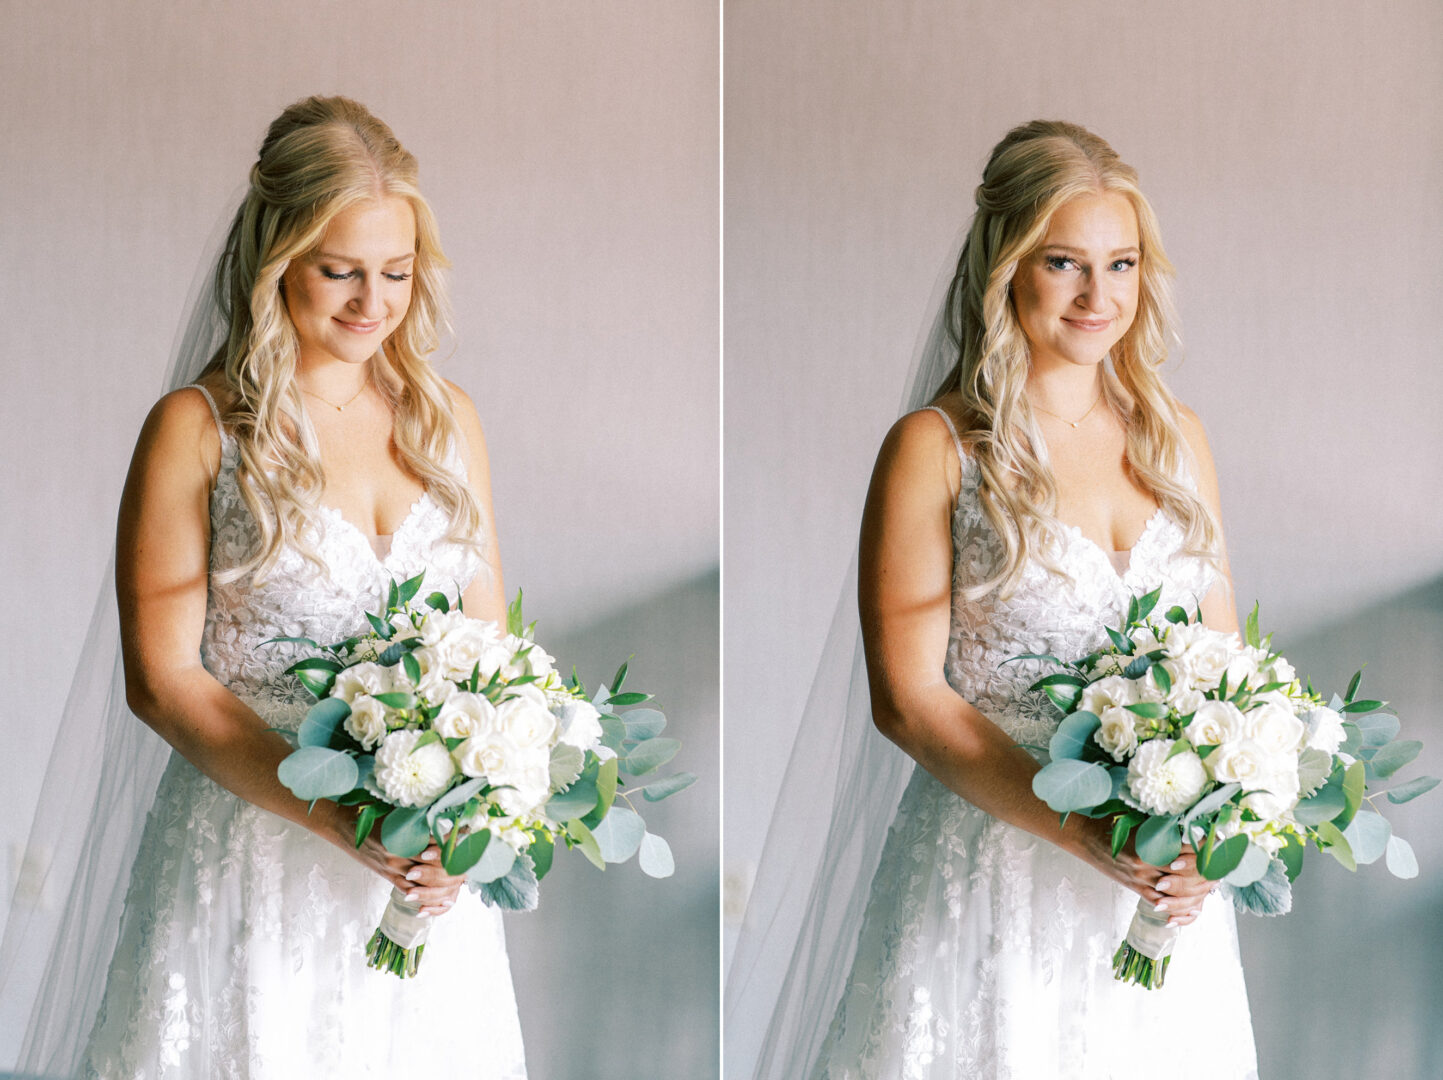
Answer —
1353 685
315 772
576 801
1322 807
1122 827
1131 610
1336 845
606 781
1270 894
1251 632
1124 644
382 628
667 786
1363 706
1147 602
652 754
613 732
1213 801
412 667
366 821
495 862
1368 834
585 843
514 622
292 641
1401 861
619 834
324 724
541 851
1176 615
518 890
655 857
1376 729
1033 656
1148 710
633 697
643 724
1217 861
1069 785
1159 840
1252 867
1162 678
1060 678
392 596
457 796
409 588
1412 789
620 676
1389 759
397 699
1354 782
437 602
405 832
426 739
460 857
1291 855
1073 735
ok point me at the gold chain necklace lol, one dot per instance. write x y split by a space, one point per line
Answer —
342 408
1073 423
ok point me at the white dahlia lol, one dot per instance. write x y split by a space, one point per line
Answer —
1162 784
411 776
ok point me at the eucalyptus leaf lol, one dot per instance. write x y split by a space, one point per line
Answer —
519 890
1389 759
1401 861
1368 834
1412 789
1072 785
1378 729
405 832
1223 858
461 857
1354 784
667 786
457 796
1321 807
495 862
652 754
1073 735
1254 865
585 843
1291 856
613 732
642 724
541 852
619 834
655 857
575 802
1336 845
1159 840
315 772
324 724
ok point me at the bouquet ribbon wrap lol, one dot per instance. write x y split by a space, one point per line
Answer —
1150 934
402 922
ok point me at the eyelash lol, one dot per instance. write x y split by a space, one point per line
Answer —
351 273
1055 262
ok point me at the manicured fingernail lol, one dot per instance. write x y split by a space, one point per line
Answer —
1177 865
1161 905
1173 922
425 914
414 875
1163 886
429 856
447 903
412 895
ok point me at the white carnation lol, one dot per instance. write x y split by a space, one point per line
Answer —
1107 692
464 714
411 776
367 722
1118 733
580 724
364 678
1162 784
1324 730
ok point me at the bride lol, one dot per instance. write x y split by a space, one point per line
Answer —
1015 514
316 457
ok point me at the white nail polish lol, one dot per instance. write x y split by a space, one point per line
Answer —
1177 865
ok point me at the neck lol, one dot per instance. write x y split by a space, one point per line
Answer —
332 379
1064 389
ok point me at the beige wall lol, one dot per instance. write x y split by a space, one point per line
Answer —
1294 153
570 152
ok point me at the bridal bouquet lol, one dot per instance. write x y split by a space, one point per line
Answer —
1185 734
439 727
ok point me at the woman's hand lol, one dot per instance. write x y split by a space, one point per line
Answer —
1177 888
421 879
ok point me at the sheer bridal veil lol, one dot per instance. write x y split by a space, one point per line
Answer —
840 791
64 915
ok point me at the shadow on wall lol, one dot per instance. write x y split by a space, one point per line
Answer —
616 973
1363 949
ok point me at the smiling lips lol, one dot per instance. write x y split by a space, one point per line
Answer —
360 327
1089 324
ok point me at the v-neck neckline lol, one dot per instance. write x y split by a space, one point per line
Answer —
365 537
1147 531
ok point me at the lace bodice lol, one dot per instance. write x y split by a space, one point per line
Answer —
1047 613
242 615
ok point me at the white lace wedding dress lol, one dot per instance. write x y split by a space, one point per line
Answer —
242 947
986 952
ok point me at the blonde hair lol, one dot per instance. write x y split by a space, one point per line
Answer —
320 157
1035 170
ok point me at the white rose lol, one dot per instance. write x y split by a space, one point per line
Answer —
1276 795
1118 733
1324 730
457 644
528 777
1245 667
1282 671
580 724
486 754
1185 700
1274 728
1207 658
1162 784
465 714
366 678
537 660
435 688
1214 723
526 720
1108 692
367 722
1241 761
411 776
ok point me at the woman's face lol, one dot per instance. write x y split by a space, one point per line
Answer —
348 295
1076 295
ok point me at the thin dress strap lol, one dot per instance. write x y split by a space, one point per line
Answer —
213 410
957 442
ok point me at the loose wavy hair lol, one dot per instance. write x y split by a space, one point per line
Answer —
1035 170
321 156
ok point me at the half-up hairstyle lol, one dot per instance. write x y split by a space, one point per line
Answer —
320 157
1034 171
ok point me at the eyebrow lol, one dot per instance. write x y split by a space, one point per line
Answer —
352 259
1079 251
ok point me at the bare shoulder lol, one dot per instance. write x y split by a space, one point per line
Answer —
465 411
920 446
180 431
1202 458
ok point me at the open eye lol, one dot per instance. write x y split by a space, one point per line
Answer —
1122 266
1060 262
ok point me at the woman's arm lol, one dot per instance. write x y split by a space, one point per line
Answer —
485 597
905 597
1219 608
161 577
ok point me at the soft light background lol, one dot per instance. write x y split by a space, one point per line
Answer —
1294 154
571 154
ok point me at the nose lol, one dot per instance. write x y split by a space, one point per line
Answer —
1094 295
368 301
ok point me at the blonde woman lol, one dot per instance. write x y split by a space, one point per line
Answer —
317 457
1052 476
